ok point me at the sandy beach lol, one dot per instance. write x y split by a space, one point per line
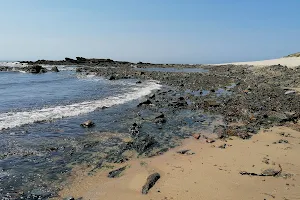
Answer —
286 61
207 172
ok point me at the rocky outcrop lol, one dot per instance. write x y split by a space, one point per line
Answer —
77 61
35 69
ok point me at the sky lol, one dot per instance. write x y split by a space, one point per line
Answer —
157 31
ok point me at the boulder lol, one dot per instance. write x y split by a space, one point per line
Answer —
151 180
54 69
35 69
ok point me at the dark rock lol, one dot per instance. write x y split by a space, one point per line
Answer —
196 136
35 69
160 120
243 135
78 69
283 141
54 69
88 124
134 130
112 77
223 146
143 143
69 198
220 130
210 141
146 102
138 82
116 173
183 151
161 115
70 60
151 180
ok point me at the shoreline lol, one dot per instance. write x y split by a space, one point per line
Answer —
245 99
209 173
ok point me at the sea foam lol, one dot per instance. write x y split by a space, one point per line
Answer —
14 119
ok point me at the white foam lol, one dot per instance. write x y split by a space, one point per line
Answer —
14 119
13 64
60 67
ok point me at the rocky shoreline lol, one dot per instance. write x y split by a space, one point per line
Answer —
244 99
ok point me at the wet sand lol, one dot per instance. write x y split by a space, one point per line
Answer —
210 173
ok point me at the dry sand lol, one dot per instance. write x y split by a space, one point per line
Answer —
289 62
211 173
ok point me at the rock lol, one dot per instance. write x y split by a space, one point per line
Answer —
143 143
146 102
290 92
78 69
35 69
210 141
160 120
243 135
116 173
138 82
161 115
283 141
223 146
151 180
54 69
87 124
69 198
112 77
220 130
183 151
134 130
196 136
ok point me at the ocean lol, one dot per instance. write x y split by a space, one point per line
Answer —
40 115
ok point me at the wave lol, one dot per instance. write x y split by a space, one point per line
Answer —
15 119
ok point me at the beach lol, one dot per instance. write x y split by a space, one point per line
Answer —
235 127
209 172
286 61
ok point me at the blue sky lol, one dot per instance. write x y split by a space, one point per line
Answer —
159 31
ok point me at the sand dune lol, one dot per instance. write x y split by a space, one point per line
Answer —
287 61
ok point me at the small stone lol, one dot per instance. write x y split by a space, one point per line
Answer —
69 198
183 151
196 136
283 141
223 146
88 124
210 141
